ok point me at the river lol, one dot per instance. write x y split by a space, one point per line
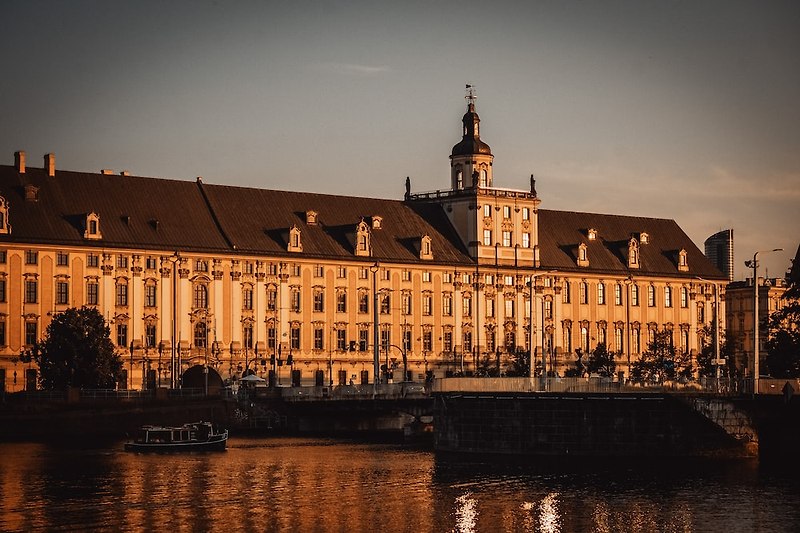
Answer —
321 485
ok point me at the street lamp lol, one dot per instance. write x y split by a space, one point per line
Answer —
174 371
375 356
715 322
754 265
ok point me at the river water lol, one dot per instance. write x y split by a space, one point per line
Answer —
318 485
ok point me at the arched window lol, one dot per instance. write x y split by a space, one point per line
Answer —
200 296
483 178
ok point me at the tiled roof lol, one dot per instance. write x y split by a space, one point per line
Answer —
161 214
560 233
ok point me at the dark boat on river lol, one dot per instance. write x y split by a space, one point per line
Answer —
192 437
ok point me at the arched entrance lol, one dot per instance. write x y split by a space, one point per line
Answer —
194 378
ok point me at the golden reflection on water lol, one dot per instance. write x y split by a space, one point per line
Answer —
321 485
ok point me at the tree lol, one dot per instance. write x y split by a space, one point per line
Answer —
705 358
661 362
519 363
77 352
601 361
783 327
579 370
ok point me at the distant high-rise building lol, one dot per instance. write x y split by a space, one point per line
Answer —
719 250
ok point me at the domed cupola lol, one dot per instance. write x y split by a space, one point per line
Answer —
471 142
471 159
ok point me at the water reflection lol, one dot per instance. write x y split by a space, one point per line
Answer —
321 485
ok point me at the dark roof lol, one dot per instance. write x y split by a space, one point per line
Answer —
560 233
162 214
471 142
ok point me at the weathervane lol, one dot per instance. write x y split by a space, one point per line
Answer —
470 94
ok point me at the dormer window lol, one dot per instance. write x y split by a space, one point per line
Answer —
683 263
5 227
583 255
295 244
633 253
92 227
425 250
592 233
363 240
377 222
644 238
311 218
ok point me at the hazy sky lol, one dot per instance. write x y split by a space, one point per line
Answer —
683 110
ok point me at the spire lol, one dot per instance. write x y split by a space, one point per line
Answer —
471 138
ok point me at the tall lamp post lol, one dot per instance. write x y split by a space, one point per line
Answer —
375 355
174 369
756 356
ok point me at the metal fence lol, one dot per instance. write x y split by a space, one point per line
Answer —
588 385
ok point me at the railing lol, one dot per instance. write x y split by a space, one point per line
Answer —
386 391
599 385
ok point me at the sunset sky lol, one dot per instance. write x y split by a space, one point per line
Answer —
681 110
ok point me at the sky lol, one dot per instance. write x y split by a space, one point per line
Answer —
681 110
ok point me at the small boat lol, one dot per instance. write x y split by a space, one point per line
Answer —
192 437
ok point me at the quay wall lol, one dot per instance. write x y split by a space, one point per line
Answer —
573 424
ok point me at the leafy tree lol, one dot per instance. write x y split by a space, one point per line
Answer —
661 362
705 358
519 363
77 351
783 327
579 370
601 361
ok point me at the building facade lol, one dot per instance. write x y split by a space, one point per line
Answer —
235 279
719 250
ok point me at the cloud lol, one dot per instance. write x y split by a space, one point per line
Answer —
353 68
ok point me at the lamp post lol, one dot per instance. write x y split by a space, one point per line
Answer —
533 331
628 284
375 356
174 259
754 265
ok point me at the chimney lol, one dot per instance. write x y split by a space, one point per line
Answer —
19 161
106 171
50 164
31 193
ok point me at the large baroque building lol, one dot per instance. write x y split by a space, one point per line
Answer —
188 273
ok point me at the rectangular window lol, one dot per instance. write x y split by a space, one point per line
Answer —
635 341
122 334
490 340
427 341
548 309
406 303
447 305
2 332
93 260
295 270
2 257
635 295
618 340
617 294
122 294
149 295
295 337
487 211
526 240
386 339
122 261
565 295
363 340
526 213
447 277
667 296
427 304
62 293
92 293
584 292
296 300
466 306
506 211
426 276
601 293
31 257
585 339
363 273
684 297
490 307
31 291
62 259
201 265
467 342
386 274
651 296
506 238
272 269
407 340
405 275
319 338
150 335
363 302
247 299
487 237
31 333
447 341
341 272
272 299
319 271
271 336
150 263
2 290
248 267
386 304
341 340
341 301
247 336
509 308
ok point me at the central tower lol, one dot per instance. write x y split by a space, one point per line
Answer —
471 159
